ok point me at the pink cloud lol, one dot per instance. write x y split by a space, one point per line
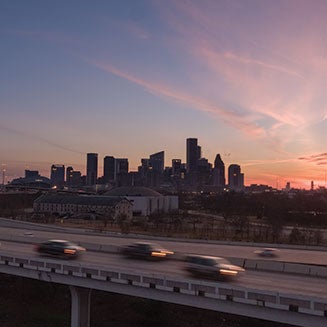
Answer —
250 61
269 72
200 104
30 135
318 159
266 162
255 93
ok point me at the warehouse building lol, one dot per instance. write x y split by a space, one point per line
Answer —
75 204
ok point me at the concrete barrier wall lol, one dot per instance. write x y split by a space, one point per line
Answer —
295 268
267 265
318 271
85 275
250 264
237 261
110 248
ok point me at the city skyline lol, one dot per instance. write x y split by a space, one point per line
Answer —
134 78
95 173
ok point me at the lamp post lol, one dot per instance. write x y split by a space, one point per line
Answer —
3 176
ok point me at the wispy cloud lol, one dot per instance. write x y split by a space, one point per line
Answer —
251 61
38 138
137 31
236 120
273 80
267 161
318 159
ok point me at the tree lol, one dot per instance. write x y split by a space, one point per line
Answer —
124 223
318 237
296 236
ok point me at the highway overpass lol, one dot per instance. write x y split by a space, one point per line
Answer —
297 299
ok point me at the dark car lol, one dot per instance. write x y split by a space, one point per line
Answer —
211 267
267 252
60 248
146 251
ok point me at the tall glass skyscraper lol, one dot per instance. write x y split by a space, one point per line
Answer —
91 168
193 154
57 175
109 168
218 173
157 162
235 178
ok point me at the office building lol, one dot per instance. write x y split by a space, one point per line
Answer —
193 153
143 169
69 175
176 165
73 177
57 175
121 171
157 162
235 178
91 169
121 166
218 173
108 169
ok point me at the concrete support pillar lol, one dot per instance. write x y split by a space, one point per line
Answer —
80 304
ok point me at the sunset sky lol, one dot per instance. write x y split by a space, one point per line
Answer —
129 78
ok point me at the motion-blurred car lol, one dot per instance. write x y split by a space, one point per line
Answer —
60 248
267 252
211 267
146 251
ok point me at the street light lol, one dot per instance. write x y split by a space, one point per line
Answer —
3 175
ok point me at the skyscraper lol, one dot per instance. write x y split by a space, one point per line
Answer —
235 178
108 168
69 175
121 171
218 173
176 167
121 166
57 175
144 166
91 168
157 162
193 153
73 177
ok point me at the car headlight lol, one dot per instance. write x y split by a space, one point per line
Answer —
69 251
228 272
158 254
168 252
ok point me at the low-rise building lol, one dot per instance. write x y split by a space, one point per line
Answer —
75 204
145 200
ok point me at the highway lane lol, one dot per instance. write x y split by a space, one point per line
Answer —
228 251
284 283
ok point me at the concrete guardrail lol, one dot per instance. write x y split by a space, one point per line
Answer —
84 274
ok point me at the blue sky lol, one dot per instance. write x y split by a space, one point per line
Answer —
130 78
